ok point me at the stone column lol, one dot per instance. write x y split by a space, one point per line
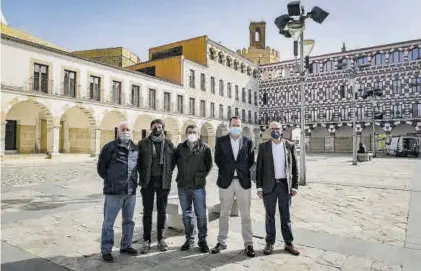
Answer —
53 140
330 143
66 141
211 140
3 139
38 135
95 142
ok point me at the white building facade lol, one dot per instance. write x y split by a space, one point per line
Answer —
55 102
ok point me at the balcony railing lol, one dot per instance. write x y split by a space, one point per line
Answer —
49 89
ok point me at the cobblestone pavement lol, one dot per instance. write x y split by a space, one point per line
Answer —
54 211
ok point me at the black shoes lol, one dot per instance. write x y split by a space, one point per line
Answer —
218 248
250 251
186 246
268 249
204 248
130 251
107 257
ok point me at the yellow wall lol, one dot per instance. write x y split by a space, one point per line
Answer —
7 30
117 56
265 56
79 140
26 139
194 49
170 68
106 136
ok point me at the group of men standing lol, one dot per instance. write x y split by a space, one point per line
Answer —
124 165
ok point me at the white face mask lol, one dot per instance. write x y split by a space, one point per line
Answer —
192 137
125 136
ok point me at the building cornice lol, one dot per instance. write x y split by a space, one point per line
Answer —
71 55
383 47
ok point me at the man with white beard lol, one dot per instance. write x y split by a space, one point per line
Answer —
117 166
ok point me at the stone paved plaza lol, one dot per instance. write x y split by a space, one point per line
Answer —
347 218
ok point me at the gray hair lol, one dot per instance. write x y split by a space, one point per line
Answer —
278 124
123 123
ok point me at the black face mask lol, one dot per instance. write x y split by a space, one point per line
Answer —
156 131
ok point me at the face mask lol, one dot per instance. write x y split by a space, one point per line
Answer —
192 137
125 136
276 134
235 131
156 131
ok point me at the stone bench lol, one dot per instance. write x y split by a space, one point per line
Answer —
364 157
175 214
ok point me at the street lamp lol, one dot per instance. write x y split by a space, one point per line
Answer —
292 25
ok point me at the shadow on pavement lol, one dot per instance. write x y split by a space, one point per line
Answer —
173 259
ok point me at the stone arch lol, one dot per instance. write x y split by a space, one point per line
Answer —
318 139
108 125
221 130
172 129
366 135
28 126
141 128
207 134
247 132
343 139
77 124
255 73
403 129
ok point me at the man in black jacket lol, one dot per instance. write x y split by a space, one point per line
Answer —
194 162
276 182
117 167
155 166
234 156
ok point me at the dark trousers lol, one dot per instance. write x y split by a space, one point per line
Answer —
190 197
281 195
148 196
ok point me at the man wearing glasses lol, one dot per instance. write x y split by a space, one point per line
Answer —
277 182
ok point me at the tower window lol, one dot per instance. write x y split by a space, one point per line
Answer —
257 35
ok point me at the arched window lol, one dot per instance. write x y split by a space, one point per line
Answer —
328 66
212 54
229 62
255 73
396 57
257 35
243 68
378 60
414 54
249 71
221 58
236 65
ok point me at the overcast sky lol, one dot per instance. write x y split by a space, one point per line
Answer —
141 24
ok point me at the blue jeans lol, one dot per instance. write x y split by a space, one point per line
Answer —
194 197
112 206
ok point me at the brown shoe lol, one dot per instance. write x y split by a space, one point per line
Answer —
268 249
291 249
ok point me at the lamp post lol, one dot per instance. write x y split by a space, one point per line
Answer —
292 25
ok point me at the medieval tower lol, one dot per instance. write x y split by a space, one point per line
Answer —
258 52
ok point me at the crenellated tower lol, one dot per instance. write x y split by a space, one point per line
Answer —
258 52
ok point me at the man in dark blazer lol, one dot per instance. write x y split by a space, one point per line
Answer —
155 165
234 156
277 182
